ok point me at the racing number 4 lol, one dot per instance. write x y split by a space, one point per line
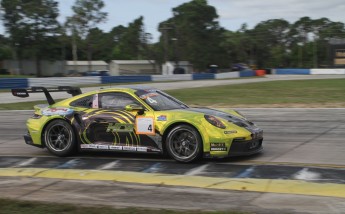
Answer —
144 125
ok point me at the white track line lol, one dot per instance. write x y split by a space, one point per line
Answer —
197 170
109 165
26 162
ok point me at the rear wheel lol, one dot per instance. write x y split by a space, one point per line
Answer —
59 138
184 143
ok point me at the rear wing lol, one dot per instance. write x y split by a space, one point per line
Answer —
25 92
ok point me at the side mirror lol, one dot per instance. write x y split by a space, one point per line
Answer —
132 107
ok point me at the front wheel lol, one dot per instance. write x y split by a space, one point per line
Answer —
184 143
59 138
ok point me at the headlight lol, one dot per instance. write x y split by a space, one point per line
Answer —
214 121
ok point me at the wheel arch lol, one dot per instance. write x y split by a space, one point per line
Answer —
52 120
173 125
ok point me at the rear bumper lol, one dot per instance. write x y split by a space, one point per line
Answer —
28 140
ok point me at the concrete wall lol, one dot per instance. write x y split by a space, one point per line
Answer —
28 67
132 67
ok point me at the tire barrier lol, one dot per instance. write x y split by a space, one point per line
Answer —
204 76
227 75
125 79
175 77
327 71
287 71
67 81
7 83
13 83
260 73
247 73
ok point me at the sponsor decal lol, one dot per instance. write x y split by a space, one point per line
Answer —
57 111
162 118
20 93
152 101
88 146
145 125
129 148
120 127
142 149
115 147
230 132
218 147
145 96
102 147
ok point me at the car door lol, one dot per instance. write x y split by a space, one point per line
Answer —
112 127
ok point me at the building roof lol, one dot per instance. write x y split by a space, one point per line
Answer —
87 63
132 62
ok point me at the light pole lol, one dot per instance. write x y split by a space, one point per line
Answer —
174 40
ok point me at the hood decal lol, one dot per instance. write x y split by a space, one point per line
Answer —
242 122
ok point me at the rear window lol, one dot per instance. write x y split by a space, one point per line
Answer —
85 102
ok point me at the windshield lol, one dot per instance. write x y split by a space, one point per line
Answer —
159 100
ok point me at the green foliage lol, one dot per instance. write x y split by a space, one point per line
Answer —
87 14
191 34
31 25
130 46
5 49
198 34
277 43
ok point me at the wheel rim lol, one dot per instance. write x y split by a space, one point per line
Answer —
183 144
59 137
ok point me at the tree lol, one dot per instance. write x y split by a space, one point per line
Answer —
310 40
239 45
131 41
197 34
102 44
271 41
87 15
5 50
30 25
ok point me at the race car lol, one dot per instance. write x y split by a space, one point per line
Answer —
136 119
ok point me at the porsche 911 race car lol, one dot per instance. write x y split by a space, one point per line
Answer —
137 120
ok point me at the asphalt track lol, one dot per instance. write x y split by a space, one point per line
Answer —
301 170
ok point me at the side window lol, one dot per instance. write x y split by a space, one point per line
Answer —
116 100
85 102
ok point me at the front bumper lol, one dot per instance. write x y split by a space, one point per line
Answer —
245 147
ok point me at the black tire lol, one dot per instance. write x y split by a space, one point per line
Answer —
59 138
184 144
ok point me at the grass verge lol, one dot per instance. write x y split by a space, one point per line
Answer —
303 93
9 206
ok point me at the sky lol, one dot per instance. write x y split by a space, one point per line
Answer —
232 13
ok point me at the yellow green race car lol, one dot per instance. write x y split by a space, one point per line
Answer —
139 120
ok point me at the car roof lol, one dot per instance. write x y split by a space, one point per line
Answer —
132 88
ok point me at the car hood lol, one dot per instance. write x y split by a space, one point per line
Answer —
231 118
